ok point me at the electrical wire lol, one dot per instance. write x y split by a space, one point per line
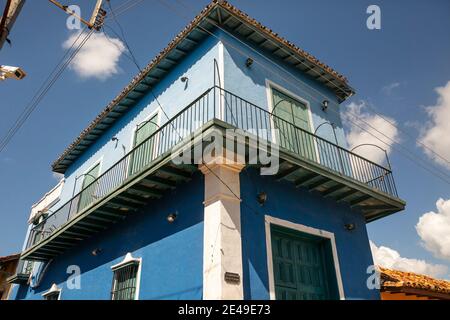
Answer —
411 156
166 115
54 76
133 57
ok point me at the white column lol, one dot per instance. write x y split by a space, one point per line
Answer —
222 233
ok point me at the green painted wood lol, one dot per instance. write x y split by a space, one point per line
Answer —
176 173
303 181
125 283
293 111
359 200
124 203
157 181
300 267
333 190
146 191
318 183
286 173
87 196
134 198
145 153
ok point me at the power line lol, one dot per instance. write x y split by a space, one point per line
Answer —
164 112
116 45
373 109
409 135
133 57
53 77
125 7
410 157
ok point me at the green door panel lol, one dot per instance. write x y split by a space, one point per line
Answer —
89 188
302 270
144 154
290 111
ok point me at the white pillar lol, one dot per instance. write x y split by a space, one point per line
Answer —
222 253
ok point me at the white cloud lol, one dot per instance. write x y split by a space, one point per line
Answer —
436 133
98 58
390 87
391 259
357 136
434 230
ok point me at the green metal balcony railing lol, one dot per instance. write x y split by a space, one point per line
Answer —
217 103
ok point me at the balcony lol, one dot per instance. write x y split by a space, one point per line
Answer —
147 172
23 272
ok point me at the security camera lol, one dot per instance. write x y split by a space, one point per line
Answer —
11 72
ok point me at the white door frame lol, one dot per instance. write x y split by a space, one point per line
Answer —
269 220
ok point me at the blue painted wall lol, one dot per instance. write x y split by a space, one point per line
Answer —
172 254
250 83
173 95
299 206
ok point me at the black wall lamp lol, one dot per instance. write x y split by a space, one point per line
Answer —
172 217
96 252
350 226
325 104
249 62
184 79
261 198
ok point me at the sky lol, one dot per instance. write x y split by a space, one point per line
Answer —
401 74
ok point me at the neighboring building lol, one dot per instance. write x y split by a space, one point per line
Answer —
8 265
138 224
399 285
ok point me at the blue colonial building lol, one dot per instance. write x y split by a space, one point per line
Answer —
131 221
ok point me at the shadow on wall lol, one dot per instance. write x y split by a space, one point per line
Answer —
286 202
170 252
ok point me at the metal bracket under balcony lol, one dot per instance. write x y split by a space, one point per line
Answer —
18 278
147 172
127 199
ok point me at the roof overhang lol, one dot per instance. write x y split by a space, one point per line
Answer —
232 20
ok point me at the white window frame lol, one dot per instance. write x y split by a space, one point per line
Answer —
272 85
269 221
53 290
127 261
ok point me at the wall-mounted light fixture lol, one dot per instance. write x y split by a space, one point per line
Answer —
249 62
325 104
172 217
96 252
261 198
350 226
115 139
184 79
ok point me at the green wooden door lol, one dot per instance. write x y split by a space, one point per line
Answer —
145 152
291 113
303 267
89 188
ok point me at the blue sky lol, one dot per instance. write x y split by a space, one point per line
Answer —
395 70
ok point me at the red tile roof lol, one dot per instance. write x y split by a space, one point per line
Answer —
395 280
183 34
9 258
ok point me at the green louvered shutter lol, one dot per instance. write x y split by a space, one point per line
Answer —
125 283
302 270
291 111
89 188
144 154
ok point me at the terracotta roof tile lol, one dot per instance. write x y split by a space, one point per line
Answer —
192 25
400 279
